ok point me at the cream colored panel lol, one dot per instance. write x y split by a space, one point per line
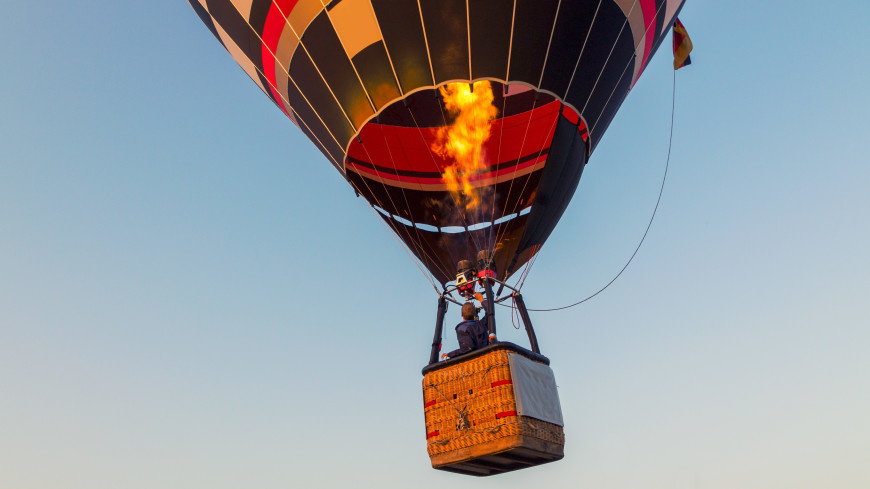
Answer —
634 13
202 3
287 45
670 11
303 13
244 7
239 56
355 23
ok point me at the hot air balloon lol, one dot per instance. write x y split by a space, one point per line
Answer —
466 125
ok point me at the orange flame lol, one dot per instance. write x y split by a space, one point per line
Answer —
473 113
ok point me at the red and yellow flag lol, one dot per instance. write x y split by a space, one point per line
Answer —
682 46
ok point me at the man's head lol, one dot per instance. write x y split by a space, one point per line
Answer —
468 311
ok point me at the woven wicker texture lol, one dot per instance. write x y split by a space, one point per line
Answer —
473 402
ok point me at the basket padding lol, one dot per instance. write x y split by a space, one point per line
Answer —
535 390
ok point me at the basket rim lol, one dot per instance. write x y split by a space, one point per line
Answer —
500 345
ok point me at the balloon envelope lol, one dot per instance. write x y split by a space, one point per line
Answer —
360 78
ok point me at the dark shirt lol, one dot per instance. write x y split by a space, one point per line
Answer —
472 335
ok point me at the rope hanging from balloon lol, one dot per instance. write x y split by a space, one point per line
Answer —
648 226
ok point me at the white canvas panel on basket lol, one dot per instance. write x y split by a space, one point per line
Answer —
535 390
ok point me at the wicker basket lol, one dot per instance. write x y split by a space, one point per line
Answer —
472 421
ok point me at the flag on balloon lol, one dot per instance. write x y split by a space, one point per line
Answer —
682 46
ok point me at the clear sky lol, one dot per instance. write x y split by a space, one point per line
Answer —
192 297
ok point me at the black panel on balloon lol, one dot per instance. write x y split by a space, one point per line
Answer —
445 22
330 156
612 85
572 26
306 76
403 36
602 110
533 23
329 56
259 12
525 101
420 109
374 69
558 183
490 31
205 18
308 118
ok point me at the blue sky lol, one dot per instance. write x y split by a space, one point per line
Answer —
191 296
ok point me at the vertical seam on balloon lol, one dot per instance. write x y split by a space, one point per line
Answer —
505 90
547 54
426 41
582 49
468 33
510 45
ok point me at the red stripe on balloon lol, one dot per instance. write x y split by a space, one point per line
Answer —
649 24
440 181
272 30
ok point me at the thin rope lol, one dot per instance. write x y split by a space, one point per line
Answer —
649 225
537 252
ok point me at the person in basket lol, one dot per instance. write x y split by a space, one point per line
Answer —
472 333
